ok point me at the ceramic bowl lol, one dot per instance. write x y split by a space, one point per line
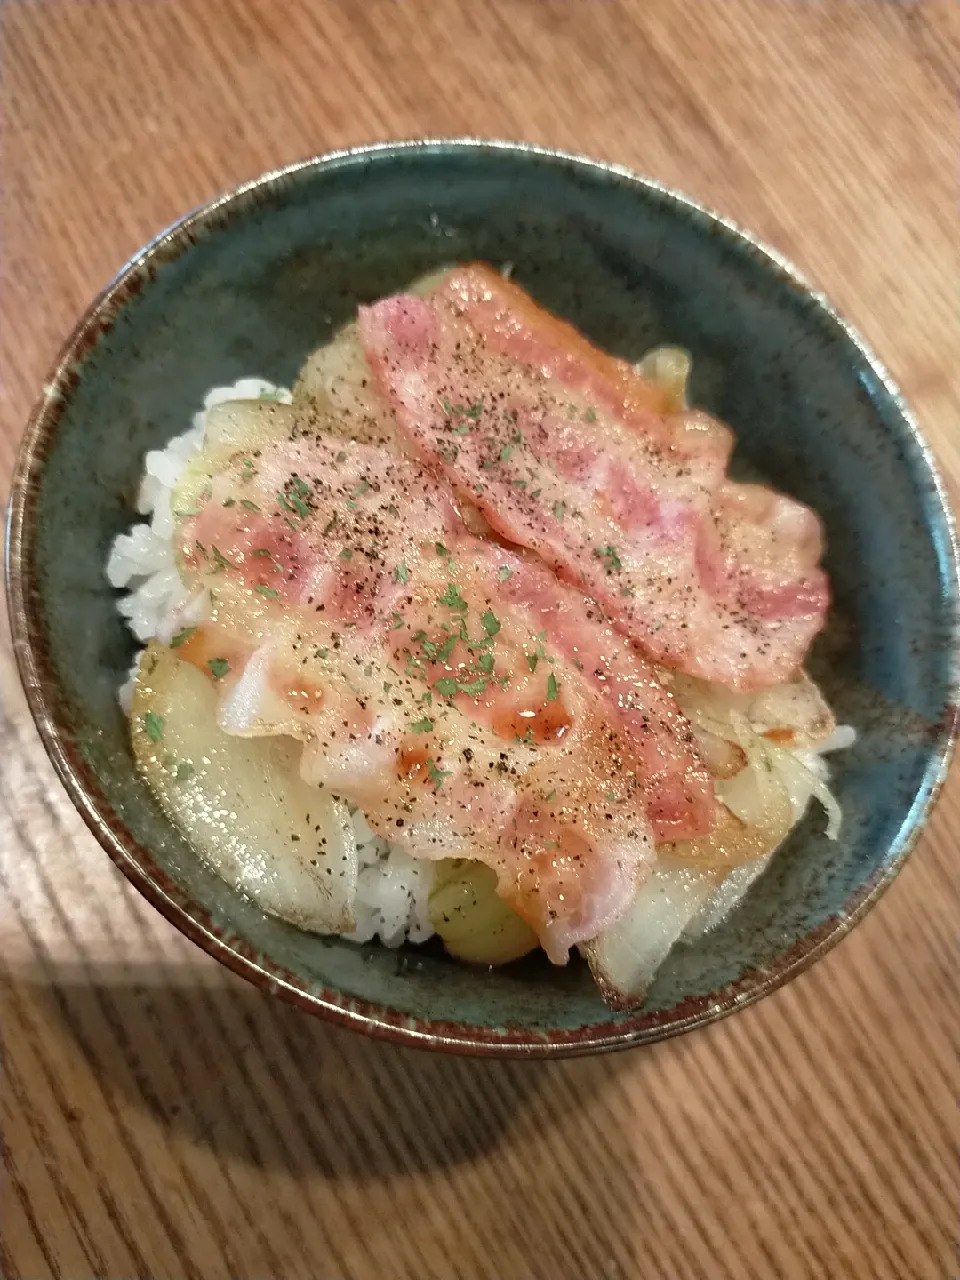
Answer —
253 281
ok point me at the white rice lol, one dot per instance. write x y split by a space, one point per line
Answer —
393 889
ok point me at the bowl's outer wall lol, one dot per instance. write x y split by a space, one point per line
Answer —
275 274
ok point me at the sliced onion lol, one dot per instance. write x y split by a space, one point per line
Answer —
668 368
240 803
231 427
251 709
843 737
625 957
336 392
723 758
794 713
728 895
804 780
766 798
731 842
243 424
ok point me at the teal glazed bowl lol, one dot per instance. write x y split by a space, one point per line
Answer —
248 285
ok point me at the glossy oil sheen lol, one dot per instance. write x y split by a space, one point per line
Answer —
248 287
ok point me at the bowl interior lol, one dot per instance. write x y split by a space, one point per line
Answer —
252 286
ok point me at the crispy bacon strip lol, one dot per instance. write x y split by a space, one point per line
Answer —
566 452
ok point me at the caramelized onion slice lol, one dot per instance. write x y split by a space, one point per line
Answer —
241 803
728 895
233 427
668 368
625 957
793 714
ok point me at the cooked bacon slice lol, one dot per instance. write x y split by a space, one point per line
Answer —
470 703
566 451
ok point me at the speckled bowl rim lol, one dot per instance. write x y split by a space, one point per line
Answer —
52 721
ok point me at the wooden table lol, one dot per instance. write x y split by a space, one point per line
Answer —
161 1118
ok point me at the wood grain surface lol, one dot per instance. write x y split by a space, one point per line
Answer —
160 1118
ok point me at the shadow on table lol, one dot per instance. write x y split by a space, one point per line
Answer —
254 1078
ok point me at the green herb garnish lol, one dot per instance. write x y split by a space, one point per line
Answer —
552 688
608 558
453 599
293 502
475 689
218 667
401 573
220 560
437 776
490 622
268 592
504 573
153 724
422 726
445 650
182 637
